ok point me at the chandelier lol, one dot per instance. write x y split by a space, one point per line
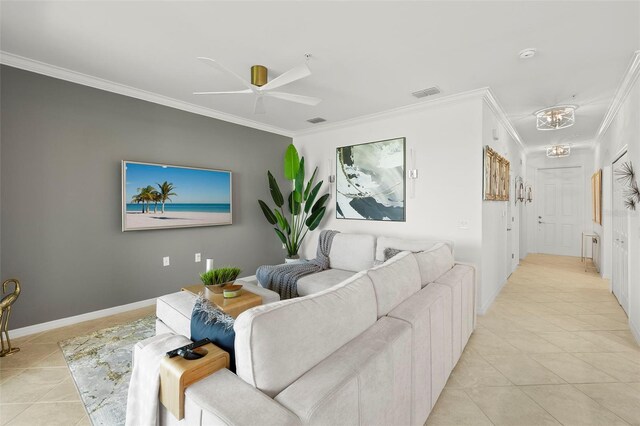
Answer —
557 151
556 117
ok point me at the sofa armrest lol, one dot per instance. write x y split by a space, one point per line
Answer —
225 399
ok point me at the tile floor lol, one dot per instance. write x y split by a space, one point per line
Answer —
36 387
554 348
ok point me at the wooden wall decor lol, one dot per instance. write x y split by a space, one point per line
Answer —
496 176
596 197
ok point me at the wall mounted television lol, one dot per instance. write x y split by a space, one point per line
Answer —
162 196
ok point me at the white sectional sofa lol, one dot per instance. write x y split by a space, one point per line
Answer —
375 348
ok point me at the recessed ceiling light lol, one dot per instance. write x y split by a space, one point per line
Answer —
527 53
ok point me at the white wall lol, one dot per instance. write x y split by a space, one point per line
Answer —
447 141
623 131
497 216
580 157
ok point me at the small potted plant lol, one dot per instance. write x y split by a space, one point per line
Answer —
215 280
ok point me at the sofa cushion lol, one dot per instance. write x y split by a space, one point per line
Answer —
279 342
433 263
365 382
405 244
429 314
394 281
315 283
352 252
175 311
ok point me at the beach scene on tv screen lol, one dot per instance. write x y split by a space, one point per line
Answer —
160 196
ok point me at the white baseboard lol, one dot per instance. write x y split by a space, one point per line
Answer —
484 308
635 331
62 322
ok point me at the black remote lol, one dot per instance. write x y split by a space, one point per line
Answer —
188 347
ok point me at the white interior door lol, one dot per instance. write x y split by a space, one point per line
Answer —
620 225
559 218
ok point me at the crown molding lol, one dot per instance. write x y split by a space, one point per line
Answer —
422 105
630 77
38 67
492 102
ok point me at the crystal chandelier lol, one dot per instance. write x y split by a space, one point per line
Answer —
557 151
556 117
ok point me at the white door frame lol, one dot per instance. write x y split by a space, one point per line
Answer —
625 302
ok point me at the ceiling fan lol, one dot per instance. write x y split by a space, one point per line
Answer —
261 88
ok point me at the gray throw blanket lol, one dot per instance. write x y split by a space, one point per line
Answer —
283 279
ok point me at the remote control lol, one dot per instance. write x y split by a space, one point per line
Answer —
189 347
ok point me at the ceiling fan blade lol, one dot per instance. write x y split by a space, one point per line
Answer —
307 100
233 92
227 71
258 107
301 71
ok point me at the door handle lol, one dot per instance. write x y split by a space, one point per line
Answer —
540 221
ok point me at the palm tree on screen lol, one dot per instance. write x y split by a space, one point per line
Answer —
166 191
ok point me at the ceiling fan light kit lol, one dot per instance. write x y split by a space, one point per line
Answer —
260 87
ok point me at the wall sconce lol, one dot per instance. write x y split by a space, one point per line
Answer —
529 194
331 167
520 193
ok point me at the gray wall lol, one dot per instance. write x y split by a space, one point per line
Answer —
62 144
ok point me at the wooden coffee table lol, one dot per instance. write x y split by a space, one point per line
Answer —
234 306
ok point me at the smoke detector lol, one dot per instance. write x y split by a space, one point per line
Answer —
527 53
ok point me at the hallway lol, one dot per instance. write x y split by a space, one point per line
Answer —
554 348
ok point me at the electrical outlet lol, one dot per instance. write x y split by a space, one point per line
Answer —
463 224
198 257
165 261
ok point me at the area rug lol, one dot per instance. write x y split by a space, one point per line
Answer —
100 364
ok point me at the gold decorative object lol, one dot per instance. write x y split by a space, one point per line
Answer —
596 196
259 75
496 176
8 299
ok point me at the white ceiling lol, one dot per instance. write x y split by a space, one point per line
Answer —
367 56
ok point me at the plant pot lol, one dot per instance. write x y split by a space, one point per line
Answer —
292 259
210 290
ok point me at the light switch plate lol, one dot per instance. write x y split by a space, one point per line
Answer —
198 257
165 261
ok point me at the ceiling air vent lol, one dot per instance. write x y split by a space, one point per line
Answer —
426 92
316 120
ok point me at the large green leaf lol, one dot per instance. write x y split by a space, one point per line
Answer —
278 199
320 203
291 163
314 220
271 218
294 206
299 182
283 222
310 184
281 235
312 197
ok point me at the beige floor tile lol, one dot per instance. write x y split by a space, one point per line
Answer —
484 342
570 406
56 359
608 342
7 374
32 384
510 406
50 414
614 365
472 370
620 398
570 342
570 323
10 411
528 342
602 322
636 386
568 308
29 354
601 307
536 324
631 356
520 369
571 369
64 392
84 421
455 408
